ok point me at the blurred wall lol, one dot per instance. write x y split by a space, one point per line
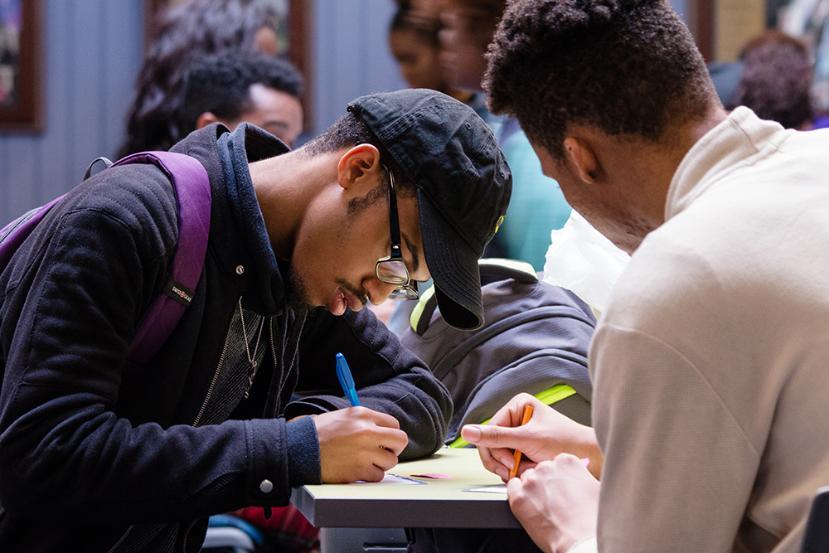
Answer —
91 51
350 54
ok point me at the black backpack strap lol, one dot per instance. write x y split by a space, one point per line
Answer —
495 269
91 170
492 270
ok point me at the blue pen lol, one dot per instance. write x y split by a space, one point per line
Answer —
346 380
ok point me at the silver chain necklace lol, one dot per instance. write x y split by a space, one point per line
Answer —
251 356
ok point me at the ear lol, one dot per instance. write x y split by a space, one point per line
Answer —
205 119
359 166
582 157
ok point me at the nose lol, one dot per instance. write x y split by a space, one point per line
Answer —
377 290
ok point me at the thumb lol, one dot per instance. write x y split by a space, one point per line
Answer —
491 435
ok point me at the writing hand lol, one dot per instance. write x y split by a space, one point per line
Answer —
358 444
546 435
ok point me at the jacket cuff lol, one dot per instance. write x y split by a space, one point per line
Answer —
303 452
267 480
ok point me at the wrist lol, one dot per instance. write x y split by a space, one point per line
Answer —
588 448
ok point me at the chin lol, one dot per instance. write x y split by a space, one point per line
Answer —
297 291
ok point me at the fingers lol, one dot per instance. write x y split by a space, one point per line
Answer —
383 430
376 474
378 418
358 444
511 413
526 465
492 436
572 466
515 493
504 456
492 464
384 460
391 440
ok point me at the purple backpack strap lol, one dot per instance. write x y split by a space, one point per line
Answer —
192 187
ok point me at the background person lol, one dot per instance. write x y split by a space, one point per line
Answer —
709 376
238 86
537 206
414 43
182 33
776 80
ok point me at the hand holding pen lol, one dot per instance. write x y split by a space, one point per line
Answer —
356 443
346 380
539 433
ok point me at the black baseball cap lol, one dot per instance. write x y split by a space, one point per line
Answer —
463 186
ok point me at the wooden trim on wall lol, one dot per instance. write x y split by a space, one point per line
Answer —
26 113
703 26
299 52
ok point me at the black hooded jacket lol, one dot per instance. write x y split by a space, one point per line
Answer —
100 454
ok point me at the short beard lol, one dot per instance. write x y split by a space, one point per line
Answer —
342 283
296 294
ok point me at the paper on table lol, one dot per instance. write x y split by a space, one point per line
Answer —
495 488
390 478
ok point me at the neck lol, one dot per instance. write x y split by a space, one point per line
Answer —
285 185
656 164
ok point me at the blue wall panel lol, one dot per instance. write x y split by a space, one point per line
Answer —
350 54
91 54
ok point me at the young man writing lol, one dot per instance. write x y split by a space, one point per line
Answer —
125 456
709 365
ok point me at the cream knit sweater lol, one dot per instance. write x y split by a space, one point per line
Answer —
711 364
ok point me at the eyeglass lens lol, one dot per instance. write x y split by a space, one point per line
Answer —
393 271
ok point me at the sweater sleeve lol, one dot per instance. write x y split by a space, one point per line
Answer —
389 378
62 446
678 468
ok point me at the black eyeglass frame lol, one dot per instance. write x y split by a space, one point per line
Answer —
406 287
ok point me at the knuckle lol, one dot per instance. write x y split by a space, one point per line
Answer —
491 432
566 459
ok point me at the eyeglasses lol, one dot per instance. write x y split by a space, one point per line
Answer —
392 269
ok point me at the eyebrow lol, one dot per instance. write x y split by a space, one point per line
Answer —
413 249
275 123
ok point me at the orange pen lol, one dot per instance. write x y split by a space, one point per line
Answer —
525 418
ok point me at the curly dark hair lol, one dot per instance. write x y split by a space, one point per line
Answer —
776 80
220 84
622 66
182 33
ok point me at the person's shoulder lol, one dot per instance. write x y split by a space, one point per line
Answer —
138 199
671 274
131 191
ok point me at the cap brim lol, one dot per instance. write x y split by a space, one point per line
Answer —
453 265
